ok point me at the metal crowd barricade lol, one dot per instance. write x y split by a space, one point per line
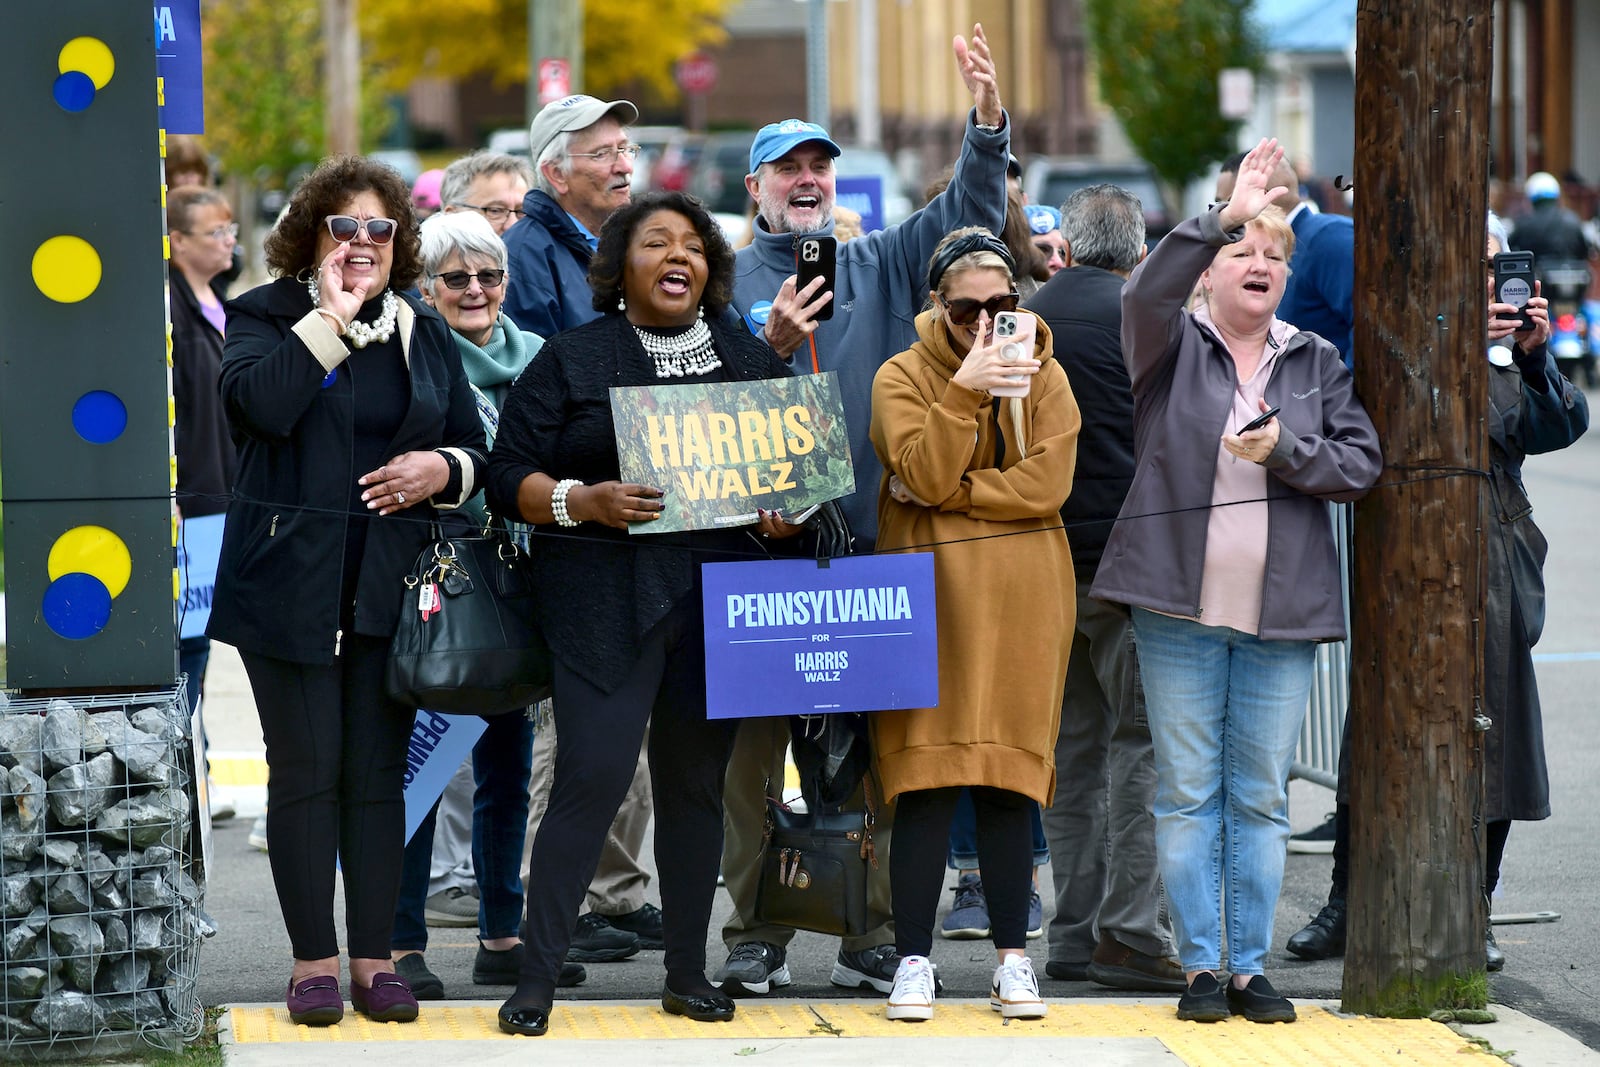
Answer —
1317 757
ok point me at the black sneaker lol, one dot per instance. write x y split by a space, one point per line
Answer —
645 924
1316 841
503 966
1204 1001
425 985
871 968
594 940
753 969
1259 1002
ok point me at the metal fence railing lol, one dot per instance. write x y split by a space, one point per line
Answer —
1317 757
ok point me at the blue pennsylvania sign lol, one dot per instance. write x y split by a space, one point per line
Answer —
789 637
864 196
178 64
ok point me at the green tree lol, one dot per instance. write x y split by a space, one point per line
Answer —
1158 64
263 75
626 42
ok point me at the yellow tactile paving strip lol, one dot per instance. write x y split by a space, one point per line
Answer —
1320 1036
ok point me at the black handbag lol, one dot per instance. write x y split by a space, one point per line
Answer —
814 868
467 643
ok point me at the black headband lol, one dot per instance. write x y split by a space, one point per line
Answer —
965 245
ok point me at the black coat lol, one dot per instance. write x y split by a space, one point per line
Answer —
601 590
1083 308
283 551
205 452
1532 409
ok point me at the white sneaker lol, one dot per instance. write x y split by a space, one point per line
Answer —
912 997
1015 994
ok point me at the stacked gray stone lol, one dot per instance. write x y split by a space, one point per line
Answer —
100 912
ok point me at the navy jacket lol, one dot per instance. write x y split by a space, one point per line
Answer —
548 289
1320 294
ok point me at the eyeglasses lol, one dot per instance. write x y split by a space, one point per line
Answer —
492 212
1048 251
964 312
608 155
345 227
230 230
460 279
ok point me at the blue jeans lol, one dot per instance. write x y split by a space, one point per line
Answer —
1225 710
964 837
501 762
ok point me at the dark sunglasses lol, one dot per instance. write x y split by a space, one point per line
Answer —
344 229
964 312
460 279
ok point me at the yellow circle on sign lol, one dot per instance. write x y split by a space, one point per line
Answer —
87 55
66 269
92 550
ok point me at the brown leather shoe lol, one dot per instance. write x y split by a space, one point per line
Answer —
1120 967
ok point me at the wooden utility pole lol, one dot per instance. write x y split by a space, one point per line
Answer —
555 32
1416 920
342 75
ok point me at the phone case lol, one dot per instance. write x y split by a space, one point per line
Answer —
816 257
1015 332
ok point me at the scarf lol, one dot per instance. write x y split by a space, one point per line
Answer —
495 365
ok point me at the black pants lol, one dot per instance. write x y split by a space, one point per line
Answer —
600 734
916 863
336 752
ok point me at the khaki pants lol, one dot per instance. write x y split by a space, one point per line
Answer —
620 880
758 754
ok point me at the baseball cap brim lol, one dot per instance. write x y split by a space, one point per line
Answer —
573 113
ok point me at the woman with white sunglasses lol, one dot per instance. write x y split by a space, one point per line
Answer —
356 426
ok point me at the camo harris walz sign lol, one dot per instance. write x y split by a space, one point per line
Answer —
722 450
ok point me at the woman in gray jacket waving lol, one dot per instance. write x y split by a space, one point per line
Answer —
1225 553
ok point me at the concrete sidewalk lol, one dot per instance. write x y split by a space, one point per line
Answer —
1107 1033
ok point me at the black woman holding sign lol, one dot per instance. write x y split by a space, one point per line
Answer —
622 612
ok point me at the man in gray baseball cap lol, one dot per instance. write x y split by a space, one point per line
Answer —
582 172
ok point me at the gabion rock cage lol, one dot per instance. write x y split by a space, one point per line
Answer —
100 892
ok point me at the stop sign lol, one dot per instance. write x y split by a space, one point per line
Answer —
555 80
697 73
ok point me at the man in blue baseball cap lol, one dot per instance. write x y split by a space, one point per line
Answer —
880 286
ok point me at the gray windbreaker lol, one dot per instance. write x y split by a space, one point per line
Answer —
1183 385
881 285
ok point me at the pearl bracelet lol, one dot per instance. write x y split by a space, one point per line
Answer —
342 325
558 501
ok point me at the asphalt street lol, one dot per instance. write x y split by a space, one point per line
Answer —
1553 973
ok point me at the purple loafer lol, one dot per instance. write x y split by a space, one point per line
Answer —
315 1002
388 1001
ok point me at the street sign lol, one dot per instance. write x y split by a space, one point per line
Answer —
696 74
555 80
1236 92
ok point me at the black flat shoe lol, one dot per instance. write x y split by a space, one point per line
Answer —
702 1007
1204 1001
528 1022
1493 958
1259 1002
1323 937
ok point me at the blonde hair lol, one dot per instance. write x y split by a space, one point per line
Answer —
1275 224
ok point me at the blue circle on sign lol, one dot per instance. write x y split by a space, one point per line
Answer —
99 417
74 90
331 377
76 606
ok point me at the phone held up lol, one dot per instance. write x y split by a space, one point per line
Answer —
816 257
1014 332
1259 421
1513 283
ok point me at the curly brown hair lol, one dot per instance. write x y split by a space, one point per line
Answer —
291 247
605 269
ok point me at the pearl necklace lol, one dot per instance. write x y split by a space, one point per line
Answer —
358 333
680 354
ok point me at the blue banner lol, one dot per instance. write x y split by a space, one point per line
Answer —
864 196
178 64
199 548
790 637
439 744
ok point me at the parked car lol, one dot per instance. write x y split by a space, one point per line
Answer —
678 159
509 140
718 179
1051 180
404 160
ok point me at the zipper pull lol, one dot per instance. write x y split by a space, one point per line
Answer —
273 531
338 638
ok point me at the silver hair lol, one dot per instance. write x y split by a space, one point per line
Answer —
459 176
1103 226
1497 232
466 233
559 153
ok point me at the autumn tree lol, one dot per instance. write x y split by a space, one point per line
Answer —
1158 64
625 42
263 63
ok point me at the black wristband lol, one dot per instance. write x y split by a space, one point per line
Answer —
452 485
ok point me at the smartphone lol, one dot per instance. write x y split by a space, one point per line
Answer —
1259 421
1513 282
1013 331
816 257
